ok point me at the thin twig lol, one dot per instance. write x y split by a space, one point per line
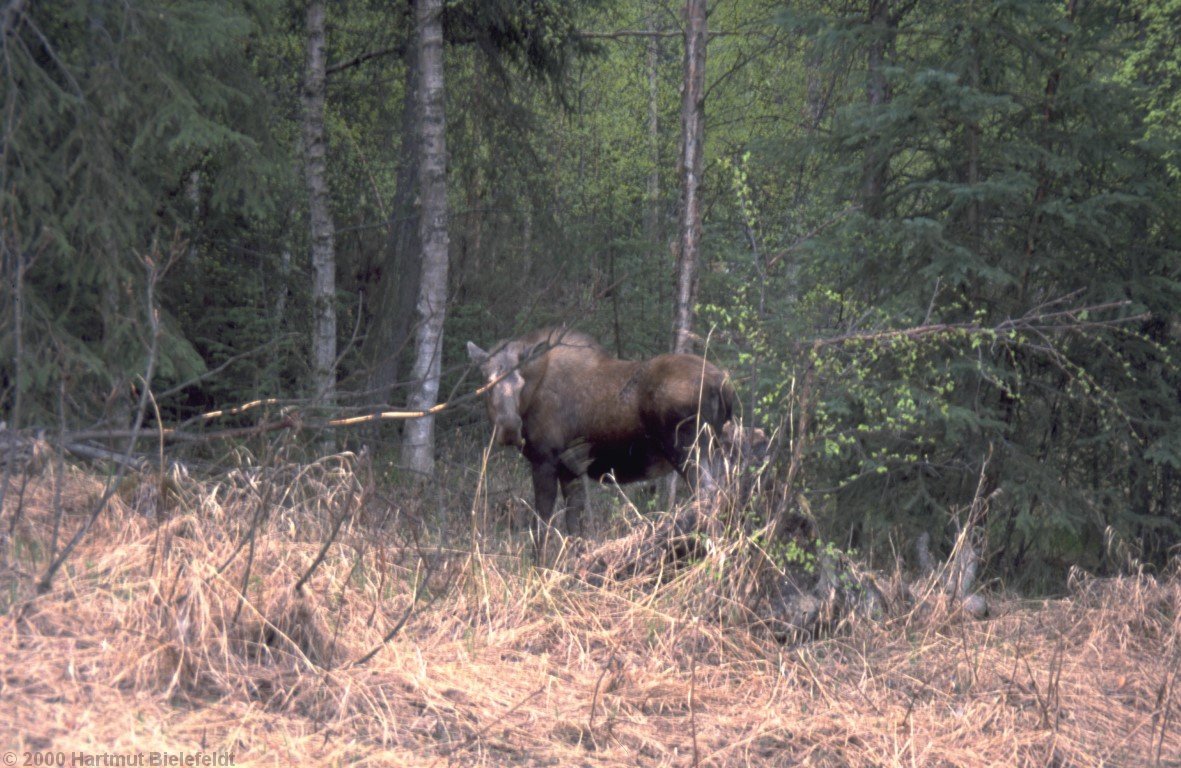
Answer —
336 525
470 740
418 589
692 697
361 58
590 721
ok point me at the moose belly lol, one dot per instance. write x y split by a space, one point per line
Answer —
627 462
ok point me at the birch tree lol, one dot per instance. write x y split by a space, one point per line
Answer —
322 230
691 162
418 442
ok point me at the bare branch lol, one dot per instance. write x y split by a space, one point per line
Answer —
419 587
344 515
11 15
102 454
623 34
361 58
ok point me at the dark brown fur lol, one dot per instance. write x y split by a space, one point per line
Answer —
573 409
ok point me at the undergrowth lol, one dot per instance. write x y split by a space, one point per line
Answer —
420 639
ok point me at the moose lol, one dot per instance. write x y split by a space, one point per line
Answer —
573 409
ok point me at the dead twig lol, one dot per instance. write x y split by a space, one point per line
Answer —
336 525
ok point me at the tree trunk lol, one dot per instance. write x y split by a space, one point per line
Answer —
322 230
281 290
652 213
692 162
652 228
393 301
418 446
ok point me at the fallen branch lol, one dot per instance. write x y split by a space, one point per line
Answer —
173 434
1038 320
291 421
131 461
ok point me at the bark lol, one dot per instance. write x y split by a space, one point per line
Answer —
323 232
816 100
652 214
396 290
11 16
652 228
281 291
418 446
692 162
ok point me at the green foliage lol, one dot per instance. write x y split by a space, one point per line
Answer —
121 119
1020 181
1153 67
1021 164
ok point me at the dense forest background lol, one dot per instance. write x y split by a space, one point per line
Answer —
939 239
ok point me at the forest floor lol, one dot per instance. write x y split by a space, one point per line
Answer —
175 635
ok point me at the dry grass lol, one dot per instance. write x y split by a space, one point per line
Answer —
157 636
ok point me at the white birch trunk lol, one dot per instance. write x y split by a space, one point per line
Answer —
418 440
323 232
691 162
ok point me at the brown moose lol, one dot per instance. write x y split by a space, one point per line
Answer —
572 409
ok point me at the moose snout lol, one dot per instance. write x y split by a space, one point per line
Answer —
508 431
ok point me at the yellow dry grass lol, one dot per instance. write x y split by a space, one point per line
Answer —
169 631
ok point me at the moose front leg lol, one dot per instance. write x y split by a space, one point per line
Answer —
689 447
545 493
574 491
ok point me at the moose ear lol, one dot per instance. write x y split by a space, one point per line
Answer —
478 356
536 351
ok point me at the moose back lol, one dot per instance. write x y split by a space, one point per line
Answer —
573 409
